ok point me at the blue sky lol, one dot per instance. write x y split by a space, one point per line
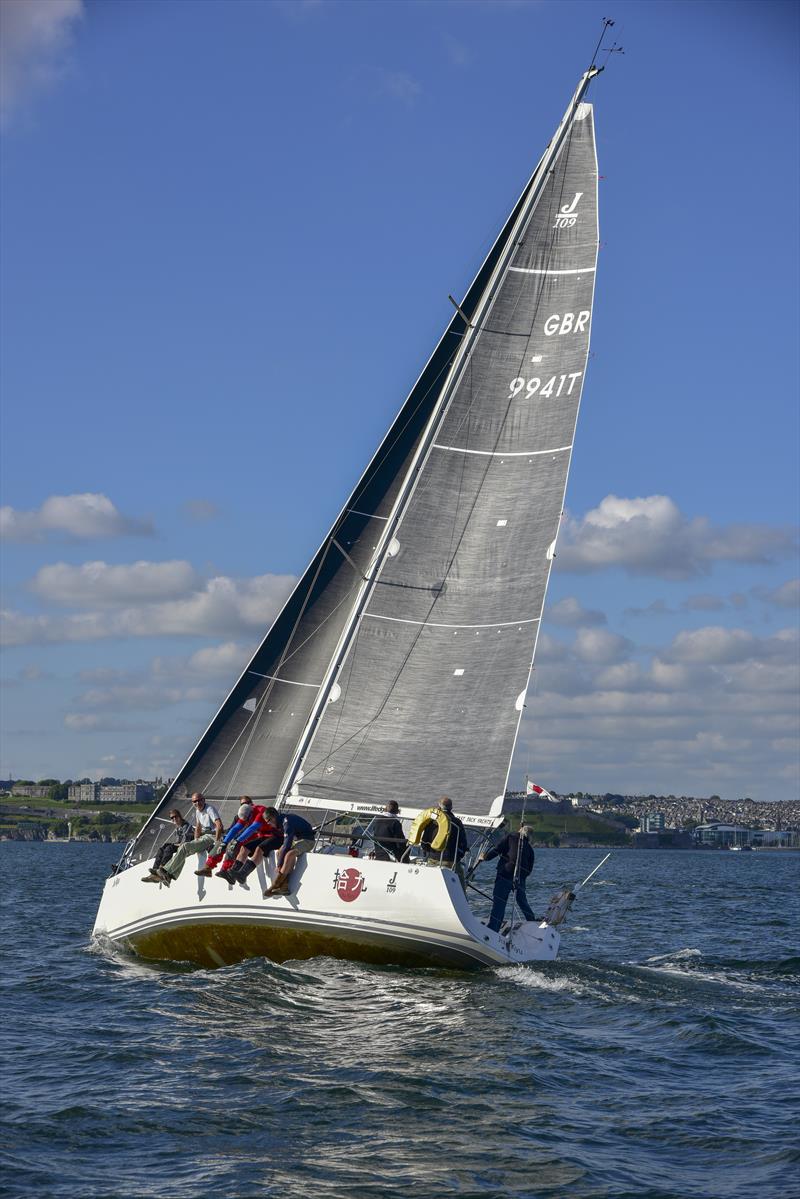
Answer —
228 235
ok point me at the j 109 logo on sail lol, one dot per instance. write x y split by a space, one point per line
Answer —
568 217
349 884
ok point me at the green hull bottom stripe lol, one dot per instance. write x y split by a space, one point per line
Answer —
225 944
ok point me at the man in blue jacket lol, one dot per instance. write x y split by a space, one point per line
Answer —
298 838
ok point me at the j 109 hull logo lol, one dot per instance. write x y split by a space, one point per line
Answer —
567 216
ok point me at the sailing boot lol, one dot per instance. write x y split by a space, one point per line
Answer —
231 875
244 871
280 885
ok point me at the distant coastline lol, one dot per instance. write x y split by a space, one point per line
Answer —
50 811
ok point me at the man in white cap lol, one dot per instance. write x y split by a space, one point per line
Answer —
227 849
208 831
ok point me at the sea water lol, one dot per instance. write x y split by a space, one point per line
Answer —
657 1059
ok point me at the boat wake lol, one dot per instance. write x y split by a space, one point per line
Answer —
668 980
116 954
555 978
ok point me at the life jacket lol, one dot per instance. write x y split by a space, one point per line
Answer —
421 823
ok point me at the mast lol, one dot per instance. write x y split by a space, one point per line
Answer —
387 539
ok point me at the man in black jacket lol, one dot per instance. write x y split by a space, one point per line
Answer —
515 864
183 833
457 843
387 833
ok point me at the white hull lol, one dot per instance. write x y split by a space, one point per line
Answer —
340 906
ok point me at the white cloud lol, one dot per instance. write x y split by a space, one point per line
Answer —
221 607
227 659
718 646
571 613
785 596
693 603
35 36
548 649
651 536
26 674
656 608
703 603
601 647
714 710
83 517
167 680
140 697
83 722
101 584
622 676
398 85
164 683
200 511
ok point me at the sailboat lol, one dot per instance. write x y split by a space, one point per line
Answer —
398 668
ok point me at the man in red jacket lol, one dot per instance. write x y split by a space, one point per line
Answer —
260 837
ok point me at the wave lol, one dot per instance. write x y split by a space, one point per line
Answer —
743 974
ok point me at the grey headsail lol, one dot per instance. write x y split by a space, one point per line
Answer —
399 663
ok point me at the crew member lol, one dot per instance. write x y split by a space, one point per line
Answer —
183 833
457 844
260 837
387 833
228 851
298 838
516 858
208 832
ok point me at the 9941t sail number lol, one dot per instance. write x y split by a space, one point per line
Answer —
555 385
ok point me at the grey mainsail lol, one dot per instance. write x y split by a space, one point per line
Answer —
399 664
433 687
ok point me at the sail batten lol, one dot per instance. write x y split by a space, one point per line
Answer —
458 449
438 625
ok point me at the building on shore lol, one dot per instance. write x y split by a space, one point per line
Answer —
655 822
719 835
119 792
83 792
